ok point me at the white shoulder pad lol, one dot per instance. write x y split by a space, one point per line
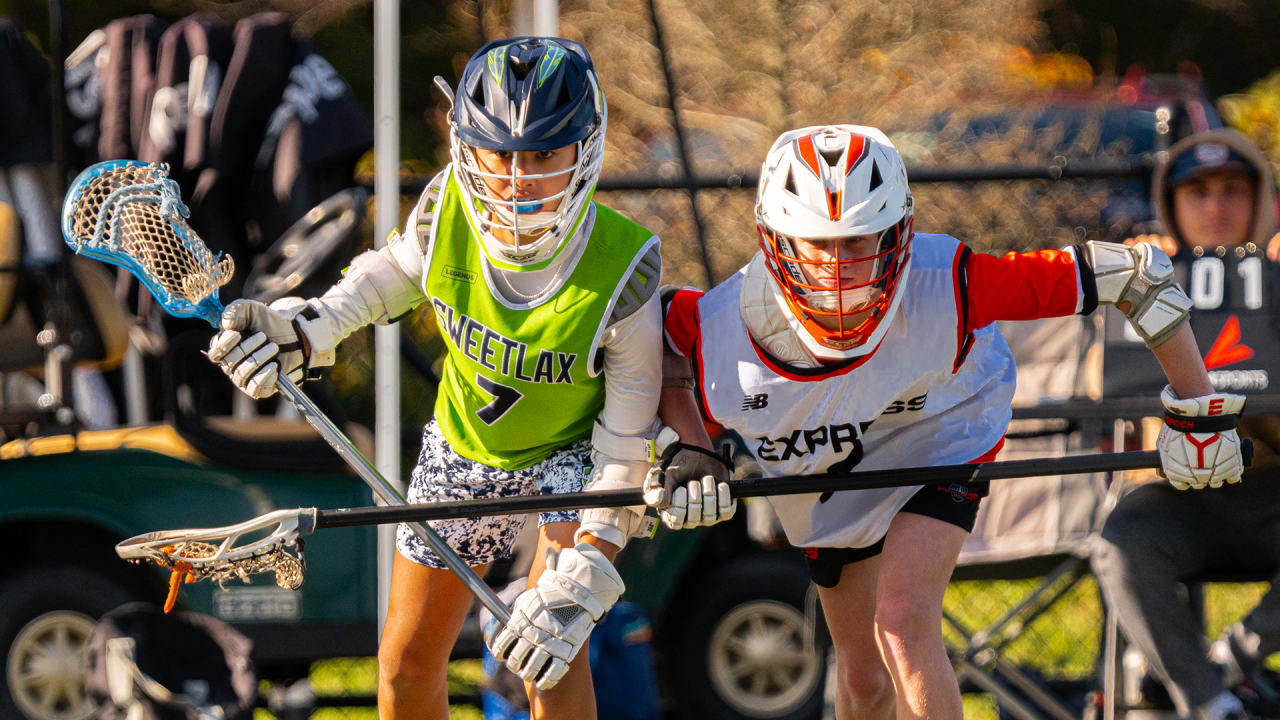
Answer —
1142 276
422 216
639 287
760 306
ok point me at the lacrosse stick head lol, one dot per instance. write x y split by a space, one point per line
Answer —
130 214
269 543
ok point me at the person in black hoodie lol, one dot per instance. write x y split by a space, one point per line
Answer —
1214 190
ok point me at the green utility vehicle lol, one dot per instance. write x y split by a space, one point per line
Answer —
70 499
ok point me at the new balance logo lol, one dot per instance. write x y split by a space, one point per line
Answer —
755 402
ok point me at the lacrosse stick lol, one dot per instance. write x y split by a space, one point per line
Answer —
213 553
130 214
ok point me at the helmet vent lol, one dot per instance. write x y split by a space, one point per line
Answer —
521 69
563 98
876 181
832 156
790 183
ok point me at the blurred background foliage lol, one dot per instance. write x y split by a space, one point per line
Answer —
760 66
928 72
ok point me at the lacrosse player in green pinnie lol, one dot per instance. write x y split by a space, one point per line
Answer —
549 308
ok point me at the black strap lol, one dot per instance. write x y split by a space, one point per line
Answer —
962 292
1210 424
725 456
302 344
1088 283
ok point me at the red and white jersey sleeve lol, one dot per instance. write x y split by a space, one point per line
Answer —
1021 286
1017 286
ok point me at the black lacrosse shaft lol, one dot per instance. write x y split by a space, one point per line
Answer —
751 487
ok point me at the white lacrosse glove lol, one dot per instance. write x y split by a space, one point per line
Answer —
689 486
550 622
1198 444
257 340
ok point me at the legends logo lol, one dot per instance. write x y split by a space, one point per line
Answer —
1228 350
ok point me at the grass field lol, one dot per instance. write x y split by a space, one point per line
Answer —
1062 644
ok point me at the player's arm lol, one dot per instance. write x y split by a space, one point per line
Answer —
625 433
379 286
1198 446
690 483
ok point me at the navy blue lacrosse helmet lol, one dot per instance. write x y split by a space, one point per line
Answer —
528 94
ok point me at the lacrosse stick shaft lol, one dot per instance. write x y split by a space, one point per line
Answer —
753 487
387 493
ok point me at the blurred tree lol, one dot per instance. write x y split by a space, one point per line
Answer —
1232 43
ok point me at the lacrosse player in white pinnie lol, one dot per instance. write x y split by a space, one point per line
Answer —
850 342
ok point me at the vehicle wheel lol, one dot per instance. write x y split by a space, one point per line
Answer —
46 617
737 646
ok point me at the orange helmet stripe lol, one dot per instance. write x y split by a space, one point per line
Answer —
809 154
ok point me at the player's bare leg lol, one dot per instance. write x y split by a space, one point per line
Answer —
574 697
919 556
864 688
425 615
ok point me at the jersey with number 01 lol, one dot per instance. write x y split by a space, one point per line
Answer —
936 391
519 383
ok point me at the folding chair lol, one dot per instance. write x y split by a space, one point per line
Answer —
1032 528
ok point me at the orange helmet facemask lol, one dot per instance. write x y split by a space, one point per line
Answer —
857 308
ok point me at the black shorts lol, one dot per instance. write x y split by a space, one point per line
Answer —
955 504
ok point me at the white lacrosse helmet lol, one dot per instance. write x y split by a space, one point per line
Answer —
527 94
835 182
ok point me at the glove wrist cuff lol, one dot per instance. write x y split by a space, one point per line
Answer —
1192 424
316 333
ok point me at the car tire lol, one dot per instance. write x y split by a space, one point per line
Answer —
737 644
46 617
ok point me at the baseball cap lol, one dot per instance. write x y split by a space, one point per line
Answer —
1205 158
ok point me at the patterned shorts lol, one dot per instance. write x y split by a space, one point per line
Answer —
443 475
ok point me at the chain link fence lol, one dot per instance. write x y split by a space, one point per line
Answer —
994 216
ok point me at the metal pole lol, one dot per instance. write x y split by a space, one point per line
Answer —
391 495
1111 642
546 18
386 141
